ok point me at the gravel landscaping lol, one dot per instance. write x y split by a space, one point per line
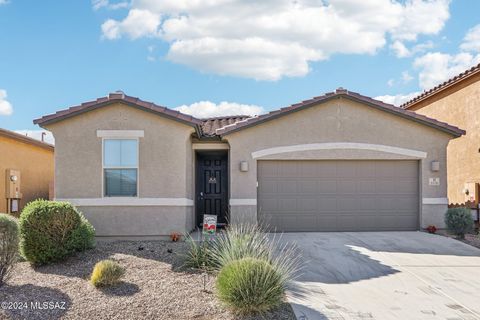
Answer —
155 286
472 239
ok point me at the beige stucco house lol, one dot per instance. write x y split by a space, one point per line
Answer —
456 101
337 162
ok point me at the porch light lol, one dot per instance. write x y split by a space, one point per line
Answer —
243 166
435 166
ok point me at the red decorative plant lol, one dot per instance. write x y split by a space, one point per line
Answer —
175 236
431 229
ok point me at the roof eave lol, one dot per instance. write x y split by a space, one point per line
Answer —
441 87
453 132
45 122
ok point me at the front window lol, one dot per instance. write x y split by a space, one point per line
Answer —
120 167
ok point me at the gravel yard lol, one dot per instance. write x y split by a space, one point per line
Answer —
155 286
472 239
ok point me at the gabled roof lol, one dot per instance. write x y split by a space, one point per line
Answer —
442 86
119 97
25 139
342 93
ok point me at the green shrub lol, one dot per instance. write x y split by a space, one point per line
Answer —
106 273
250 285
198 255
51 231
459 221
241 241
8 246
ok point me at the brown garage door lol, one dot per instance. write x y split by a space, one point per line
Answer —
361 195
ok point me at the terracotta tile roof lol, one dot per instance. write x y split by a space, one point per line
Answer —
450 82
118 97
342 93
210 125
219 126
25 139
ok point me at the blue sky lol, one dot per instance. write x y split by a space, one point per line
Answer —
252 57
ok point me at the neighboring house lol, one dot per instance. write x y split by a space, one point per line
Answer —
33 159
337 162
457 101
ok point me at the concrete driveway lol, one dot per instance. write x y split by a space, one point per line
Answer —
385 275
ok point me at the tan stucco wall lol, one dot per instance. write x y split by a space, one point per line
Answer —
459 106
141 221
339 120
35 165
165 166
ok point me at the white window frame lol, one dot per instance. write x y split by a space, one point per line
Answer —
126 137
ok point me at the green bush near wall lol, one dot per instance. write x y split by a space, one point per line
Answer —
51 231
459 221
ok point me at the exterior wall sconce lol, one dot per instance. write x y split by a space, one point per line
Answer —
435 166
243 166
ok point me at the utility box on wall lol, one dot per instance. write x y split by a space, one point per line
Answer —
13 192
472 192
12 184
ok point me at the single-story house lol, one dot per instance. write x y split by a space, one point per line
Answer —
456 101
337 162
26 170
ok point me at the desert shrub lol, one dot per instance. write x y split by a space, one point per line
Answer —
459 221
254 267
106 273
198 255
245 240
9 238
250 285
51 231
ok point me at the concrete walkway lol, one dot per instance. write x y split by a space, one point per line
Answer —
385 275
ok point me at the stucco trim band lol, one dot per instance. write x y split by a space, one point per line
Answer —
243 202
435 200
339 146
122 201
210 146
120 133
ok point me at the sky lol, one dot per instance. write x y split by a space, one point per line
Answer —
222 57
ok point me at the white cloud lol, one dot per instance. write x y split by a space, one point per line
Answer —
421 17
37 134
397 99
98 4
6 108
471 42
4 2
138 23
438 67
207 109
406 77
401 51
271 39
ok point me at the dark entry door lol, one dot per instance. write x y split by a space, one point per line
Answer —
212 185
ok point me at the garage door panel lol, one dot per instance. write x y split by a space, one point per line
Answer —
367 187
268 186
327 186
338 195
347 186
